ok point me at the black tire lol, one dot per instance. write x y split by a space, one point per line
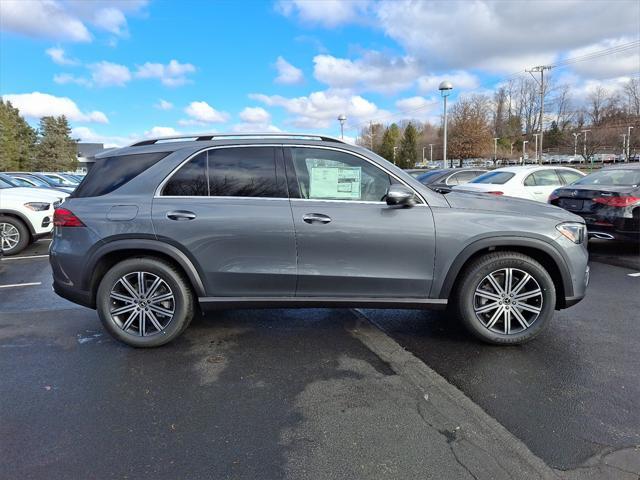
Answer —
176 283
475 276
23 232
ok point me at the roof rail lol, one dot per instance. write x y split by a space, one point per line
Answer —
214 136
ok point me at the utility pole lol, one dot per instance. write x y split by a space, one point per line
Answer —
495 149
371 130
584 144
536 135
423 159
629 142
524 150
540 69
624 144
431 152
512 144
394 154
575 144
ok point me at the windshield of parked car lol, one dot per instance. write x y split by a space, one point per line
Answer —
61 181
428 177
5 184
497 178
33 181
614 177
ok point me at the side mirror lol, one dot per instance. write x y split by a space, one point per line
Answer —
399 195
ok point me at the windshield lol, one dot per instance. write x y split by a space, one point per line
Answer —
429 176
614 177
5 184
497 178
34 181
61 181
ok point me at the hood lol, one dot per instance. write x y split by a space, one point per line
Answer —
36 194
519 206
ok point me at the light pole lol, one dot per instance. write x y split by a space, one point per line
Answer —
584 144
511 154
431 152
342 118
524 150
495 149
394 154
423 159
445 90
629 142
624 144
536 135
575 144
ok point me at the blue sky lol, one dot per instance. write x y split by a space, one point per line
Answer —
125 69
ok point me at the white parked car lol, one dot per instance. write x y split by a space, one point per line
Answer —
25 215
531 182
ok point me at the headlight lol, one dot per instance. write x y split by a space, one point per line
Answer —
573 231
38 206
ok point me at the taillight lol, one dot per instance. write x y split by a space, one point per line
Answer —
619 202
495 193
66 218
552 197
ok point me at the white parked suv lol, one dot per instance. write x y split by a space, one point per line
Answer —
531 182
25 215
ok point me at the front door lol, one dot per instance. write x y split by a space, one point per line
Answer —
350 242
228 209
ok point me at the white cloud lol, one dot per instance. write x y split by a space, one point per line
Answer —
460 79
201 113
287 73
107 74
163 105
36 105
161 132
85 134
255 115
172 75
375 72
59 56
320 109
328 13
626 62
67 78
254 128
67 20
498 35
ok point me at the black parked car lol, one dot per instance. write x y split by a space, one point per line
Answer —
608 200
443 179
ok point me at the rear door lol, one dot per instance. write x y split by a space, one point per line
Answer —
541 183
228 209
350 242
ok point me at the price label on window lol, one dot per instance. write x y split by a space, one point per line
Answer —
336 183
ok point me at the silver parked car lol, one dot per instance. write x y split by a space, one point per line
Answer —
269 220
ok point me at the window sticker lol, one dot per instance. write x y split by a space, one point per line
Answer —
336 182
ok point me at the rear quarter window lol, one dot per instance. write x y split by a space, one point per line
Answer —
110 173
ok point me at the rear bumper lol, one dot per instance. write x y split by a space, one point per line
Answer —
74 295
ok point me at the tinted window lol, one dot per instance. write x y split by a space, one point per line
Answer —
429 177
4 184
621 177
497 178
568 176
462 177
332 175
542 178
244 172
190 180
110 173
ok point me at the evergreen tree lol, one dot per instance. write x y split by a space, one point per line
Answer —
17 139
389 141
56 150
407 155
553 136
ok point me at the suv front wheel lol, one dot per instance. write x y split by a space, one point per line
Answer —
505 298
14 235
145 302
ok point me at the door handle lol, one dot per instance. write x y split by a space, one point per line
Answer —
316 218
181 215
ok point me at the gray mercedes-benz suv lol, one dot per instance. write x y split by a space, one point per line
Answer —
165 226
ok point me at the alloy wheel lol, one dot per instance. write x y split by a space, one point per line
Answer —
508 301
9 236
142 303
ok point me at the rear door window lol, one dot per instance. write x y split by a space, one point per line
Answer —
542 178
190 180
568 176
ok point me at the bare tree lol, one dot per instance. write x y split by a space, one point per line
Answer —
632 91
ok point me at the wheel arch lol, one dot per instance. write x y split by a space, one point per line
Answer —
544 253
21 217
107 255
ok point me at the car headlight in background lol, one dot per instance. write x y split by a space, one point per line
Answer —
573 231
38 206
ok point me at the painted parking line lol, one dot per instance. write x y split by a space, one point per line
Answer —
32 284
634 274
26 257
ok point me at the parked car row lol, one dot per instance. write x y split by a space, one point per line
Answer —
26 213
64 182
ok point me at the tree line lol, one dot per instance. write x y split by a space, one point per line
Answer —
24 148
511 115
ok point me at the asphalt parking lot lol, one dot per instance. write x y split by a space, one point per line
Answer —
303 393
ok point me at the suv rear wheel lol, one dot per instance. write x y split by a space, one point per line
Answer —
14 235
145 302
505 298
